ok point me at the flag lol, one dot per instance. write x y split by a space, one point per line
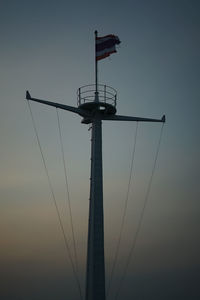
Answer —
106 45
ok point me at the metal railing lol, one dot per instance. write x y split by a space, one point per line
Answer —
106 94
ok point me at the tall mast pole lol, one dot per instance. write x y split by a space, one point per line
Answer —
95 273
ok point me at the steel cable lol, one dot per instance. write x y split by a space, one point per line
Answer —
124 212
67 191
129 257
55 204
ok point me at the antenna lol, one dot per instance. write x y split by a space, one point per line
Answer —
95 103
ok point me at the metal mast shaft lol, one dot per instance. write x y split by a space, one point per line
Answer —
95 277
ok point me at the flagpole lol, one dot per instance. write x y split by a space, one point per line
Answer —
96 67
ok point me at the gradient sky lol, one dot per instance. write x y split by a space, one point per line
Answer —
47 47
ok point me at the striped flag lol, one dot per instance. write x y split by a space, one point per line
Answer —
106 45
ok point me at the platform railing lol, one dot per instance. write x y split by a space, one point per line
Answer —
106 94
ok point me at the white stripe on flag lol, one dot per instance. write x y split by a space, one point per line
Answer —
107 50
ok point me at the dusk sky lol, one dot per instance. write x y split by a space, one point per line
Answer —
47 47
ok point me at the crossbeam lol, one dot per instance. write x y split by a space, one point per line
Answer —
91 115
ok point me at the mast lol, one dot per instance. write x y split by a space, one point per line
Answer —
95 272
103 107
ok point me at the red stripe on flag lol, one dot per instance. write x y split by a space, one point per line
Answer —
106 36
105 55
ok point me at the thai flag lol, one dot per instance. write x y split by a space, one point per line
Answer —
106 45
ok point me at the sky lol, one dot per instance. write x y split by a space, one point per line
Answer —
47 47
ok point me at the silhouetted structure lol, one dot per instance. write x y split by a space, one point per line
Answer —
95 104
